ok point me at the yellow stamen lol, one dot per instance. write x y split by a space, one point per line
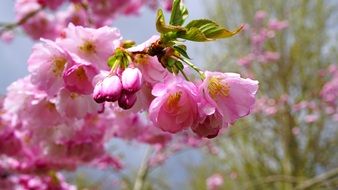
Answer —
73 95
88 47
173 100
58 65
216 87
81 74
50 106
141 59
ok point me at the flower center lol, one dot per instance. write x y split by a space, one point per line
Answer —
141 59
216 87
88 47
59 65
81 74
173 100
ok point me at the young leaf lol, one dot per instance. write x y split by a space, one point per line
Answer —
162 27
206 30
179 13
182 51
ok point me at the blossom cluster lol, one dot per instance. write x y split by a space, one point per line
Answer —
48 18
87 85
260 32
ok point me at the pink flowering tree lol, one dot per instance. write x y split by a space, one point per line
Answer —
290 142
87 85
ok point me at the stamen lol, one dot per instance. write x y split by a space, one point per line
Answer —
58 65
173 100
88 47
216 87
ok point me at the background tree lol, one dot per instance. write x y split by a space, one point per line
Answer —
291 141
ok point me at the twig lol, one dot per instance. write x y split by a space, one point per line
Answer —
23 20
318 179
142 172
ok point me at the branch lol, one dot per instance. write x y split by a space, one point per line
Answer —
318 179
23 20
142 172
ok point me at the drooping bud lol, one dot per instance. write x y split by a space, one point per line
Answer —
97 93
131 79
127 100
111 88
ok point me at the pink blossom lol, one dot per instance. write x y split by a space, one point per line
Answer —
210 125
52 4
93 45
175 105
41 25
46 65
75 105
277 25
215 181
271 56
330 91
7 36
152 70
311 118
75 15
260 16
78 78
229 94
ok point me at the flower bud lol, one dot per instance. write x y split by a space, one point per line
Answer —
131 79
97 93
127 100
111 88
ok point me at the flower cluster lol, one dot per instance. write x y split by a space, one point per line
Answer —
48 18
86 85
260 32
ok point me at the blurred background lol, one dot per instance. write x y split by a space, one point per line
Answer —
291 140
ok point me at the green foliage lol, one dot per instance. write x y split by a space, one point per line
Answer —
179 13
264 152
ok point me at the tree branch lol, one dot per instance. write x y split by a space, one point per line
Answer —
318 179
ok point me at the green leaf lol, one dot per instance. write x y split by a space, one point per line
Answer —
179 65
179 13
182 50
206 30
162 27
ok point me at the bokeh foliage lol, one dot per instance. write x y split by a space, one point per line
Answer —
263 152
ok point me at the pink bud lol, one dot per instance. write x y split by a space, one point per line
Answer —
131 79
127 100
111 88
97 93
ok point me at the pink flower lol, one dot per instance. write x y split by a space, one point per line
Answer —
73 105
41 25
210 125
78 78
260 16
232 96
93 45
152 70
46 65
277 25
175 105
7 36
52 4
131 79
215 181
